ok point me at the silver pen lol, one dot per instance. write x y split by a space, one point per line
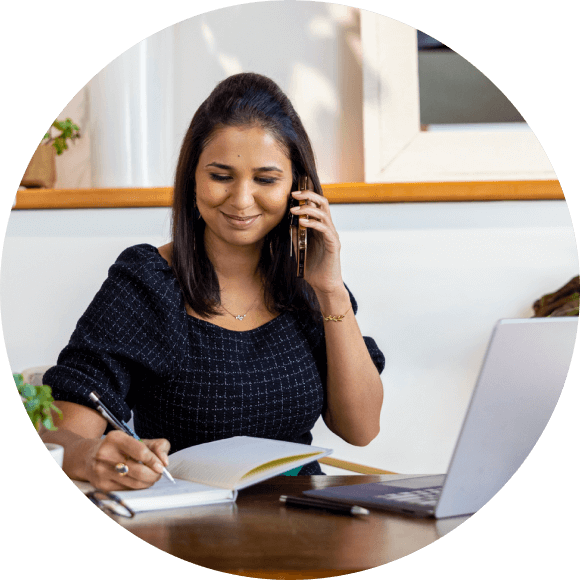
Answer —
120 425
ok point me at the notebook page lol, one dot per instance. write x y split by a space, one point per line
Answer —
223 463
165 494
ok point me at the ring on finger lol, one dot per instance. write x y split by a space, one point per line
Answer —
122 469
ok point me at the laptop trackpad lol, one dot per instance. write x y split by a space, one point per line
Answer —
416 482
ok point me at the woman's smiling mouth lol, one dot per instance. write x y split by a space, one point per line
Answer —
240 221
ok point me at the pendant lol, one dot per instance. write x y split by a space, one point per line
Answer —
240 317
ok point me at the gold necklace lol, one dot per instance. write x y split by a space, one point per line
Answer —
242 316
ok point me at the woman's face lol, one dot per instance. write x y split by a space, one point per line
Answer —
243 181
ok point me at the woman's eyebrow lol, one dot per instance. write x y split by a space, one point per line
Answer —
229 167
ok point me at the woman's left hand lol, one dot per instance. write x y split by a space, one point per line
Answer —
322 269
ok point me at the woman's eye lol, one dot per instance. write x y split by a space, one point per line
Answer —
219 177
224 177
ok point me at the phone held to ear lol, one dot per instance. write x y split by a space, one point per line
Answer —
302 232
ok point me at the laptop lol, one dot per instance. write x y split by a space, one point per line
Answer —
520 381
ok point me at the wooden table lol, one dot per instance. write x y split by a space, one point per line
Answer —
258 536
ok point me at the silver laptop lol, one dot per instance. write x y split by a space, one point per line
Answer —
521 378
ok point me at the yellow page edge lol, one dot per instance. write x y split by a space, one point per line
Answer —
277 463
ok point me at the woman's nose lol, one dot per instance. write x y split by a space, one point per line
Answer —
242 194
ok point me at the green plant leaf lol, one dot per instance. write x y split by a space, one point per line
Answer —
58 411
47 422
38 402
29 391
32 405
68 131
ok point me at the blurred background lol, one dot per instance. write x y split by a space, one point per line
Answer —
135 112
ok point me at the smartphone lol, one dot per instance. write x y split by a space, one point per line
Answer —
302 232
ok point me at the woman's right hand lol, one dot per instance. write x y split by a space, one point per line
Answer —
88 456
145 460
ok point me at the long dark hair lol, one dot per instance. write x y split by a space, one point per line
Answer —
242 99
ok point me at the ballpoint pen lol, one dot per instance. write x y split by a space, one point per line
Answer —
120 424
340 508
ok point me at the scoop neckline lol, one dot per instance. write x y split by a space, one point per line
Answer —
209 324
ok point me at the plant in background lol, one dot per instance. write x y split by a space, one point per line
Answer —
68 130
563 302
38 403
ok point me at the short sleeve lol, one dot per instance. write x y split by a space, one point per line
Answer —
131 331
377 356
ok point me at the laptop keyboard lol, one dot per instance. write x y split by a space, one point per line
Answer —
427 496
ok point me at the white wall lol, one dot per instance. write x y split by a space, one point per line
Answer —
134 113
431 279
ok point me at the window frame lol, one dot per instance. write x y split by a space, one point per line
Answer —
397 150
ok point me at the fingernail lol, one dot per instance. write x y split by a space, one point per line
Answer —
158 467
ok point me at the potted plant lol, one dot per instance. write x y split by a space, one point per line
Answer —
68 131
41 171
39 405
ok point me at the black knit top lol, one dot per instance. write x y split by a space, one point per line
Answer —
186 379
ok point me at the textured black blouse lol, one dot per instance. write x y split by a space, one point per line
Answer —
186 379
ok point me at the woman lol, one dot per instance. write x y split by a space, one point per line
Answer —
213 335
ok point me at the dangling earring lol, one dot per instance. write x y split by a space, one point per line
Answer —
195 210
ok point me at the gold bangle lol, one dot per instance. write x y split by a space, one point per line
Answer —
335 318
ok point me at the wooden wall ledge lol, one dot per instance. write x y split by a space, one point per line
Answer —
335 192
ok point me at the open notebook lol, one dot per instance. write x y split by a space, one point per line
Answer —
214 472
